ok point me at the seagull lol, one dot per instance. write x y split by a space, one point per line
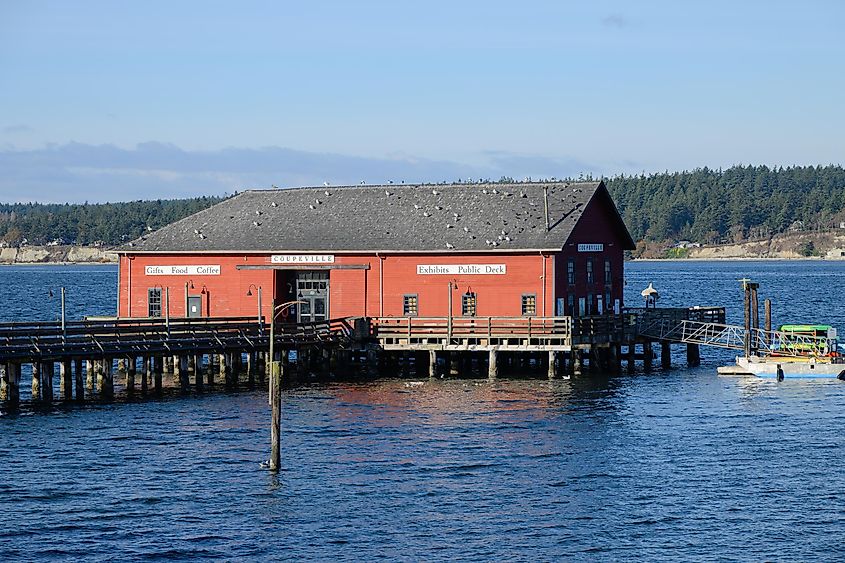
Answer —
327 193
435 192
437 207
426 214
449 226
202 236
450 246
318 201
311 207
416 206
484 191
495 191
456 215
466 229
258 212
508 239
387 193
488 242
273 204
256 224
275 187
196 232
326 184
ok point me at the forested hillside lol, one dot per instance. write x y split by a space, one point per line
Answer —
706 206
711 206
85 224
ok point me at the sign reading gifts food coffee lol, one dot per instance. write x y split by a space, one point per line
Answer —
183 270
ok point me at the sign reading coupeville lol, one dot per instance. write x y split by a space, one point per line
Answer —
302 259
590 248
185 270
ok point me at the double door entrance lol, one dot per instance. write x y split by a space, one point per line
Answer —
312 292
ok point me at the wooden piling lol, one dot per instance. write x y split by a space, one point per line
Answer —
693 355
105 378
4 382
632 356
158 368
198 382
131 367
432 364
66 381
13 383
250 368
492 364
36 381
648 355
78 381
90 375
146 374
665 355
577 361
276 417
552 370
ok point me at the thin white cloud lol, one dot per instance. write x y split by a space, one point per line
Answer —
77 172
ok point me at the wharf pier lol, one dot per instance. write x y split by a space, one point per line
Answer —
81 360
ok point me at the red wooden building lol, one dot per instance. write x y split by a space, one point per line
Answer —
538 249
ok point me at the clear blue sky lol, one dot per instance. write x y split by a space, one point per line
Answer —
117 100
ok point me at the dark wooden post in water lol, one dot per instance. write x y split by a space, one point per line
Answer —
158 368
105 378
693 356
746 286
276 417
552 365
36 381
131 372
648 356
146 374
767 307
493 364
665 355
10 390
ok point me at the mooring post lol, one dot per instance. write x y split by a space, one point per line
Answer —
66 382
276 420
79 381
632 356
90 375
747 347
767 307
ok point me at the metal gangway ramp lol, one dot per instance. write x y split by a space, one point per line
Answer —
733 337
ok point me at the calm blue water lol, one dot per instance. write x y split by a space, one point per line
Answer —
676 465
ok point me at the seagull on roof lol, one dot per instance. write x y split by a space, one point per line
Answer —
426 214
318 201
484 191
326 184
450 246
196 232
327 193
256 224
416 206
311 207
437 207
388 193
273 204
435 192
466 229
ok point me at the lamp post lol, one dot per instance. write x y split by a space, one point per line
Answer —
191 282
50 294
260 318
276 390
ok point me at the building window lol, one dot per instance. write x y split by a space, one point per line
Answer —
570 304
570 271
468 304
607 301
410 306
589 304
589 270
529 305
154 302
607 280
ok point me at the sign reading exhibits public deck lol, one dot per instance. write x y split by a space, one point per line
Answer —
210 270
461 269
302 259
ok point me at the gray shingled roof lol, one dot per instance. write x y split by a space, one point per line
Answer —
473 217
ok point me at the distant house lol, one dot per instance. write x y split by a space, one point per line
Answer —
522 249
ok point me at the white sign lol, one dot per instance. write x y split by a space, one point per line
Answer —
590 248
209 270
462 269
302 259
